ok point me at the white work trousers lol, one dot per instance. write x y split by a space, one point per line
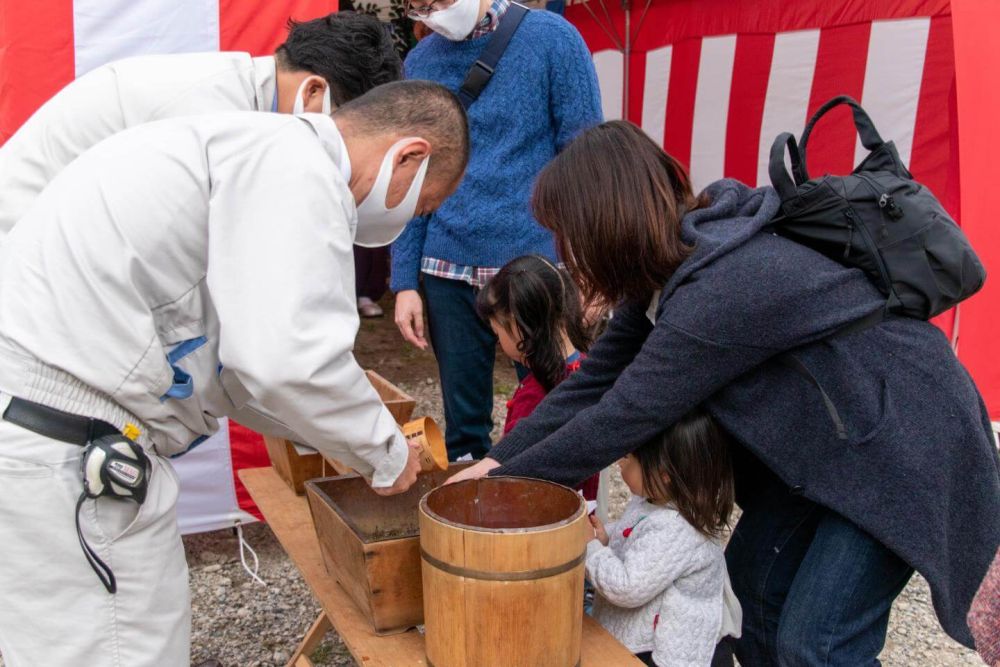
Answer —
54 611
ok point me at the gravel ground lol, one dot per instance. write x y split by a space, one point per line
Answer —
245 624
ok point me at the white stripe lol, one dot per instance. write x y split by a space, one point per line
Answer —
654 94
789 86
711 110
610 73
894 72
107 30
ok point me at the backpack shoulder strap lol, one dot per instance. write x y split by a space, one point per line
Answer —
482 70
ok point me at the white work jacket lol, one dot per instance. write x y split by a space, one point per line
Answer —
117 96
193 268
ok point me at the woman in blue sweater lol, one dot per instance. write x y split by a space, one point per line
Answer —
832 528
543 92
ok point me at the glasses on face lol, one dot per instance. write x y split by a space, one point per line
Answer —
425 10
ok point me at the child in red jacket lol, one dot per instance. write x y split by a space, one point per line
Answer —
534 309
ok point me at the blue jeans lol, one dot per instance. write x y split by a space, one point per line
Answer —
815 588
465 348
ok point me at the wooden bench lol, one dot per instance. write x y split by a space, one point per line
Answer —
289 519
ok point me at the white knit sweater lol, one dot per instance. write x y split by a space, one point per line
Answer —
663 587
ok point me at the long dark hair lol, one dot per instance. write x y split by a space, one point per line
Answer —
541 301
614 201
690 466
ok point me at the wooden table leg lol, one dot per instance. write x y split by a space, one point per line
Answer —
309 643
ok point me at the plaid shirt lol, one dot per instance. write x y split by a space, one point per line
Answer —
477 276
492 19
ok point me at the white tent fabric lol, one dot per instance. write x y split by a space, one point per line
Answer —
208 492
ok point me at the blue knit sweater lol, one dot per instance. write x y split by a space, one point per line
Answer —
543 93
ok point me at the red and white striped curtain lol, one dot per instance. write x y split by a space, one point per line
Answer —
45 44
715 81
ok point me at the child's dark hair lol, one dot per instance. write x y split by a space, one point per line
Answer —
538 298
695 458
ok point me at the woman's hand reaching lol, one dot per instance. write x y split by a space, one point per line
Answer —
475 471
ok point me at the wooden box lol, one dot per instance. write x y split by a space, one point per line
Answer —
371 545
293 463
400 403
297 463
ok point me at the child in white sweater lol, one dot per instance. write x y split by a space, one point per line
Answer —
659 571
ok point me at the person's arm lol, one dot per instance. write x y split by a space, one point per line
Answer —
574 93
612 352
659 553
674 372
280 273
407 253
713 329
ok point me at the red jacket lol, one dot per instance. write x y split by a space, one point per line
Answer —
526 398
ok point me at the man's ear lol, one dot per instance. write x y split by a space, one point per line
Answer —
417 150
315 89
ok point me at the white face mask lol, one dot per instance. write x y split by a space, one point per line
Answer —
299 106
377 224
454 22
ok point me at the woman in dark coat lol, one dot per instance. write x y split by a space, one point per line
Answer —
716 310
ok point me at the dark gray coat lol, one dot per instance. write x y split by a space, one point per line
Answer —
918 471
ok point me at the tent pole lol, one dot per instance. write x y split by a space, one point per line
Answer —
627 51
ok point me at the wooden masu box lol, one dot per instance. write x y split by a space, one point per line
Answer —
371 545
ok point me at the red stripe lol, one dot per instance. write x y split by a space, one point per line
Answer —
260 27
977 61
840 70
680 100
934 159
751 70
36 57
247 451
592 23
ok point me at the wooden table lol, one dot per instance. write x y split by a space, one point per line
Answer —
290 520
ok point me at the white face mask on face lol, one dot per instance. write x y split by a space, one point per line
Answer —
377 224
455 22
299 107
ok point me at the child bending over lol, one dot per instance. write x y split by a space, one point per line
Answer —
535 310
659 571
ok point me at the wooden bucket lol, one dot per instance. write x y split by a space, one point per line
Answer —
502 562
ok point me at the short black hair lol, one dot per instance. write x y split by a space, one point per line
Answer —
416 108
353 52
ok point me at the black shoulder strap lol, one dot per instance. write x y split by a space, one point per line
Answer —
482 70
789 360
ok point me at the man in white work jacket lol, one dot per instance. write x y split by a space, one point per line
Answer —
328 60
176 273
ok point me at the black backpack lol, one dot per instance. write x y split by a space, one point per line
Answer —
877 219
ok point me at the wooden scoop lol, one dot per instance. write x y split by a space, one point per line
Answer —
433 453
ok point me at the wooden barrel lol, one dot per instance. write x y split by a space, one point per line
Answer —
502 565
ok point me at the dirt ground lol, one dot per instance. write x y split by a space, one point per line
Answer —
381 347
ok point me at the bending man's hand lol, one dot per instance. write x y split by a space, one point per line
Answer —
409 474
410 317
474 471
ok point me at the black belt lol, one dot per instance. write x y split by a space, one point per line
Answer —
56 424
